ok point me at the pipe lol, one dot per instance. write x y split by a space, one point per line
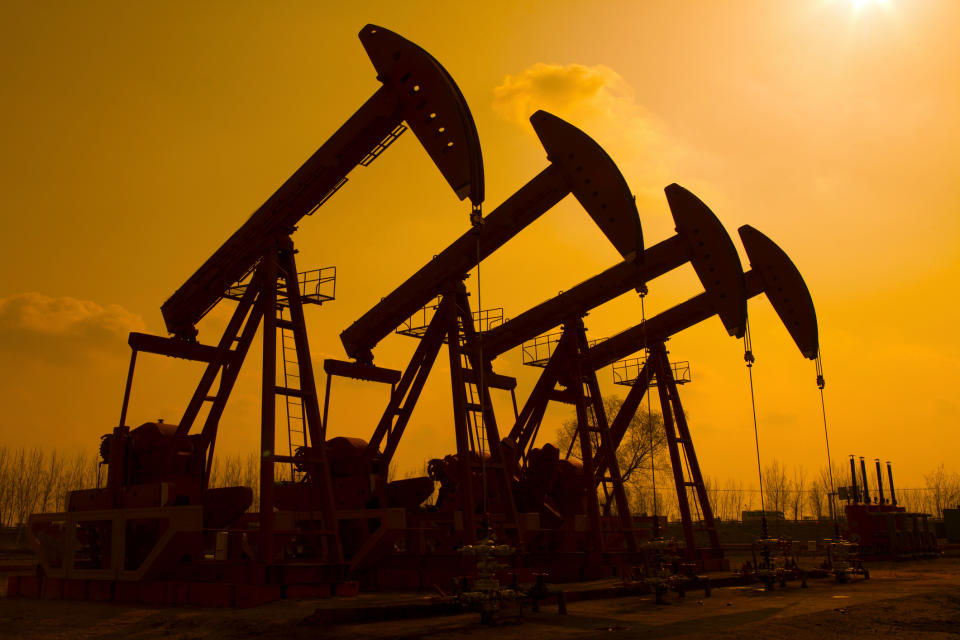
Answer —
893 496
879 482
853 479
126 390
866 490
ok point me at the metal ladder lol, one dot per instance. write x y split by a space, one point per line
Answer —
598 439
293 403
474 410
683 458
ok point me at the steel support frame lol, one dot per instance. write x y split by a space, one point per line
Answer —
566 366
452 316
257 307
320 473
676 431
480 371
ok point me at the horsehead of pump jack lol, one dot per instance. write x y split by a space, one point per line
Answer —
416 90
771 272
700 240
578 166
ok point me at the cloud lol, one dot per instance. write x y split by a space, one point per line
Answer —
34 324
567 91
602 103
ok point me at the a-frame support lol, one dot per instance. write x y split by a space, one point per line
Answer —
686 468
275 274
583 391
452 323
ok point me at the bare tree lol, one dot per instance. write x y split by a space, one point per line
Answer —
79 473
820 496
34 480
943 491
28 472
738 499
817 499
251 478
797 492
727 502
644 435
226 471
5 486
49 483
775 486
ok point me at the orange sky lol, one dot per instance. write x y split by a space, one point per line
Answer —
137 136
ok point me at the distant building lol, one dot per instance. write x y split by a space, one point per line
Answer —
756 516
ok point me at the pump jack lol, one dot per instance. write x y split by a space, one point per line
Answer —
157 516
701 237
159 523
578 166
700 240
773 273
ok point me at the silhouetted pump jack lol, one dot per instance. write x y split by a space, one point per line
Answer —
165 468
578 166
700 239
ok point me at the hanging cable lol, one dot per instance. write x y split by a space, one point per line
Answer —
646 362
821 383
749 359
595 443
476 219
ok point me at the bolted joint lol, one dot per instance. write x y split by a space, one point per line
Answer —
476 216
748 357
821 383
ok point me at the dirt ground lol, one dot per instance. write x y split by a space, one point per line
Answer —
905 600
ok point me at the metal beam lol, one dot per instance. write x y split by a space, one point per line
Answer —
577 165
700 240
416 89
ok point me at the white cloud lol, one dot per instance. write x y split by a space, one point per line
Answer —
601 102
34 324
572 91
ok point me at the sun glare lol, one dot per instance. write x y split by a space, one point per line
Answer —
862 4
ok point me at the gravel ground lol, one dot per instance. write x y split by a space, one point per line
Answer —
905 600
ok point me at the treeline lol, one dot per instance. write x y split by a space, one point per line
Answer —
37 481
34 480
644 465
794 492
